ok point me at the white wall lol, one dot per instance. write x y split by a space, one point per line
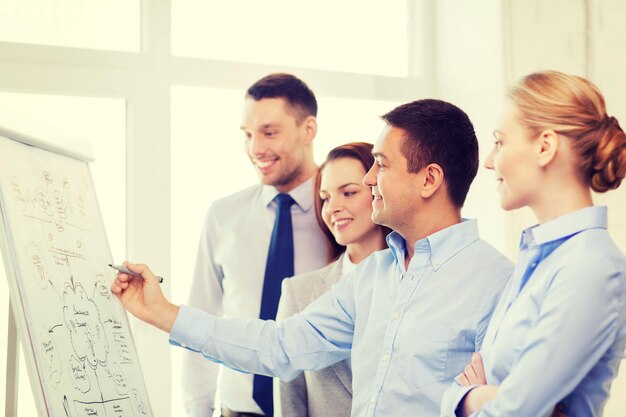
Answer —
607 69
469 72
586 38
483 46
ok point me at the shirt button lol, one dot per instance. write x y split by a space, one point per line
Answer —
385 357
183 345
533 265
396 316
373 399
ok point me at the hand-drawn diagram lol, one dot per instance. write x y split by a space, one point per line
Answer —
84 352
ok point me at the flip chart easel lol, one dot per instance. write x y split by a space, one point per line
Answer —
78 349
13 360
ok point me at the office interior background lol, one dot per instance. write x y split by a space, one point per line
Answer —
156 87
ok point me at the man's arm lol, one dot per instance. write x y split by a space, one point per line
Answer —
314 339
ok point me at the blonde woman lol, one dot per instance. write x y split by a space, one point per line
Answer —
344 212
558 335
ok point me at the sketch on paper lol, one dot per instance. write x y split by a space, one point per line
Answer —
85 356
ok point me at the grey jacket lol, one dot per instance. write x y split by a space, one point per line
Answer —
324 393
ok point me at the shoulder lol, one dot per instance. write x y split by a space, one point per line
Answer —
484 257
370 270
483 272
237 200
378 259
313 279
592 257
228 211
299 291
595 246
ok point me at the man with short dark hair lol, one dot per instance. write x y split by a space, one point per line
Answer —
409 316
232 270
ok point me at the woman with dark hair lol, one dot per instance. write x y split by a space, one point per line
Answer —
344 209
556 339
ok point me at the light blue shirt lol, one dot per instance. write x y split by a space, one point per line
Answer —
410 332
559 331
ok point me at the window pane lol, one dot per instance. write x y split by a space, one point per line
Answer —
111 25
343 120
102 123
208 162
359 36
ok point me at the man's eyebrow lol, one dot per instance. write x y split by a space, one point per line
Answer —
265 126
379 155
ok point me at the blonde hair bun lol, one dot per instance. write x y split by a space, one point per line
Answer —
573 106
609 167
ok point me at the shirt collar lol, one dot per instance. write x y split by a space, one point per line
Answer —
594 217
442 245
302 194
346 264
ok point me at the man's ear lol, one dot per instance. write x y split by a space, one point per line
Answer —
547 147
309 124
433 179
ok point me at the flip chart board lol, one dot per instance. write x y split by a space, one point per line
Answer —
79 350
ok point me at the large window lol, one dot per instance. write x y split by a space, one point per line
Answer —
111 24
369 37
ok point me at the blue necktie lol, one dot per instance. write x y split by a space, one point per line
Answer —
279 266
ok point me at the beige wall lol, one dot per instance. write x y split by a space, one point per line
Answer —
608 70
514 38
587 38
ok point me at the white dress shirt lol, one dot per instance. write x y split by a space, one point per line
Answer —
228 280
346 265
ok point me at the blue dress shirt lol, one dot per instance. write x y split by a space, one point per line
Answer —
410 332
559 332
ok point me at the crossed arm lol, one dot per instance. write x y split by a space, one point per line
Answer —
474 374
